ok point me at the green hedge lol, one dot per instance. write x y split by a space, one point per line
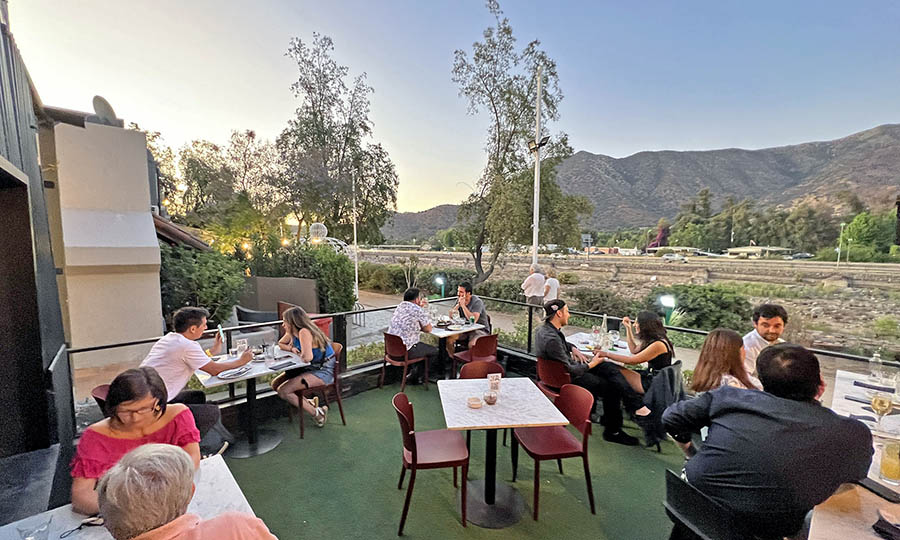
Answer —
390 278
332 271
189 277
706 306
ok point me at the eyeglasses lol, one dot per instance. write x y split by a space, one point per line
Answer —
139 412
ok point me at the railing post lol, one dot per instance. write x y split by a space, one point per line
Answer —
231 393
339 335
530 313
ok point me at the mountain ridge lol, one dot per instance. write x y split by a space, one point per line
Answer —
638 189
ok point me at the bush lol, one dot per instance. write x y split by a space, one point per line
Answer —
601 301
390 278
568 278
332 271
663 251
504 289
705 306
188 277
886 326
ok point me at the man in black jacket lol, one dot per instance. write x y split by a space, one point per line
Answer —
771 455
602 379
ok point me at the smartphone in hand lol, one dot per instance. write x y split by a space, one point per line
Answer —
221 334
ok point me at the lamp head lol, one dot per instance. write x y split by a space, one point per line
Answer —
667 301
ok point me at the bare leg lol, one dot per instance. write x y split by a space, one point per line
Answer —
286 391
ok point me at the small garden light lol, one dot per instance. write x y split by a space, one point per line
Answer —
667 301
440 281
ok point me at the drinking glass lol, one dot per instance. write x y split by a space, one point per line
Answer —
269 355
232 352
595 335
36 529
614 337
881 404
890 464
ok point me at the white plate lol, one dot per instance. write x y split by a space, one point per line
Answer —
455 327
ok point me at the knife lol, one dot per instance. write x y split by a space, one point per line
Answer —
887 389
862 417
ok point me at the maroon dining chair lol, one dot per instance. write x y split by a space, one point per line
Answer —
395 354
557 442
435 449
334 387
484 350
99 394
552 376
480 370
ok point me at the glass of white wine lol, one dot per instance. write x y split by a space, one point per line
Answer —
881 405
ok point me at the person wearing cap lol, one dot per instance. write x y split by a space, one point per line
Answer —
603 380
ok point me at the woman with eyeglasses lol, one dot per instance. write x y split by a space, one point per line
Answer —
136 414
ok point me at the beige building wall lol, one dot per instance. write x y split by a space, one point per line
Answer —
111 255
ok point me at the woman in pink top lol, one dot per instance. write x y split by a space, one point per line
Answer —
137 414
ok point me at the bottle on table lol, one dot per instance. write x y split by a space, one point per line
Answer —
876 368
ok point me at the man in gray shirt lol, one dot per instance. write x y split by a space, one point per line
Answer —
468 306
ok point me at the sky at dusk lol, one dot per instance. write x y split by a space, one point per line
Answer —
636 76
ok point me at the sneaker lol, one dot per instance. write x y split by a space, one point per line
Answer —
597 418
620 437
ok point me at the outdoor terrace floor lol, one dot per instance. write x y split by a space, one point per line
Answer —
341 481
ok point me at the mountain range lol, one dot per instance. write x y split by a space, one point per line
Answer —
639 189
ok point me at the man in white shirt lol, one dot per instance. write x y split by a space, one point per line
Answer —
769 321
408 321
533 286
177 355
551 286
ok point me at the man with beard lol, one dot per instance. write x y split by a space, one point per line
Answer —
769 321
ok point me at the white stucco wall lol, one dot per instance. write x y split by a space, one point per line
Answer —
111 251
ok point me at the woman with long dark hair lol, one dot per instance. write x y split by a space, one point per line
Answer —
303 338
137 413
721 363
648 342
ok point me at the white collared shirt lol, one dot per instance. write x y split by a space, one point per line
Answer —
533 285
753 345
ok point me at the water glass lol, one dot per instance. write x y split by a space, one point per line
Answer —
269 355
614 337
35 529
890 464
595 335
232 352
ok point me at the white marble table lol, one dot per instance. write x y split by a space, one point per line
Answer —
583 339
848 514
520 404
257 441
216 492
853 401
442 334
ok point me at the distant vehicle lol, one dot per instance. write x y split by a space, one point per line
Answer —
557 256
802 255
674 257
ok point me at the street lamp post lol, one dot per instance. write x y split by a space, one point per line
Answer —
849 241
535 146
668 301
840 241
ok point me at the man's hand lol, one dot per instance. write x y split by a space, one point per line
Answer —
217 345
463 301
246 357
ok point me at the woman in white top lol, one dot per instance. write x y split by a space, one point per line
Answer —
551 286
721 363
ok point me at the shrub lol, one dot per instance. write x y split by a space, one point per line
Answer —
886 326
188 277
663 251
601 301
705 306
332 271
568 278
504 289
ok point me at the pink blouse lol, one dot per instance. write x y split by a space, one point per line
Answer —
97 453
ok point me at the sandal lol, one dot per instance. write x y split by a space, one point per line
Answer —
321 415
313 401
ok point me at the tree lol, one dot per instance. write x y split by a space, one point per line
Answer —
870 229
324 148
254 168
207 180
501 81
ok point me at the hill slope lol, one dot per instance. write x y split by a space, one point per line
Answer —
639 189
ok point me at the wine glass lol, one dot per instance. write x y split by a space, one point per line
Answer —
881 405
614 337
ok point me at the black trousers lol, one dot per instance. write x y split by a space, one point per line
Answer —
431 356
205 415
605 382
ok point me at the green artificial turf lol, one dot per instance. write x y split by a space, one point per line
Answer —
341 482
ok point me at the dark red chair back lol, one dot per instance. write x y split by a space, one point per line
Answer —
552 373
576 403
407 422
394 347
480 370
99 394
485 346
